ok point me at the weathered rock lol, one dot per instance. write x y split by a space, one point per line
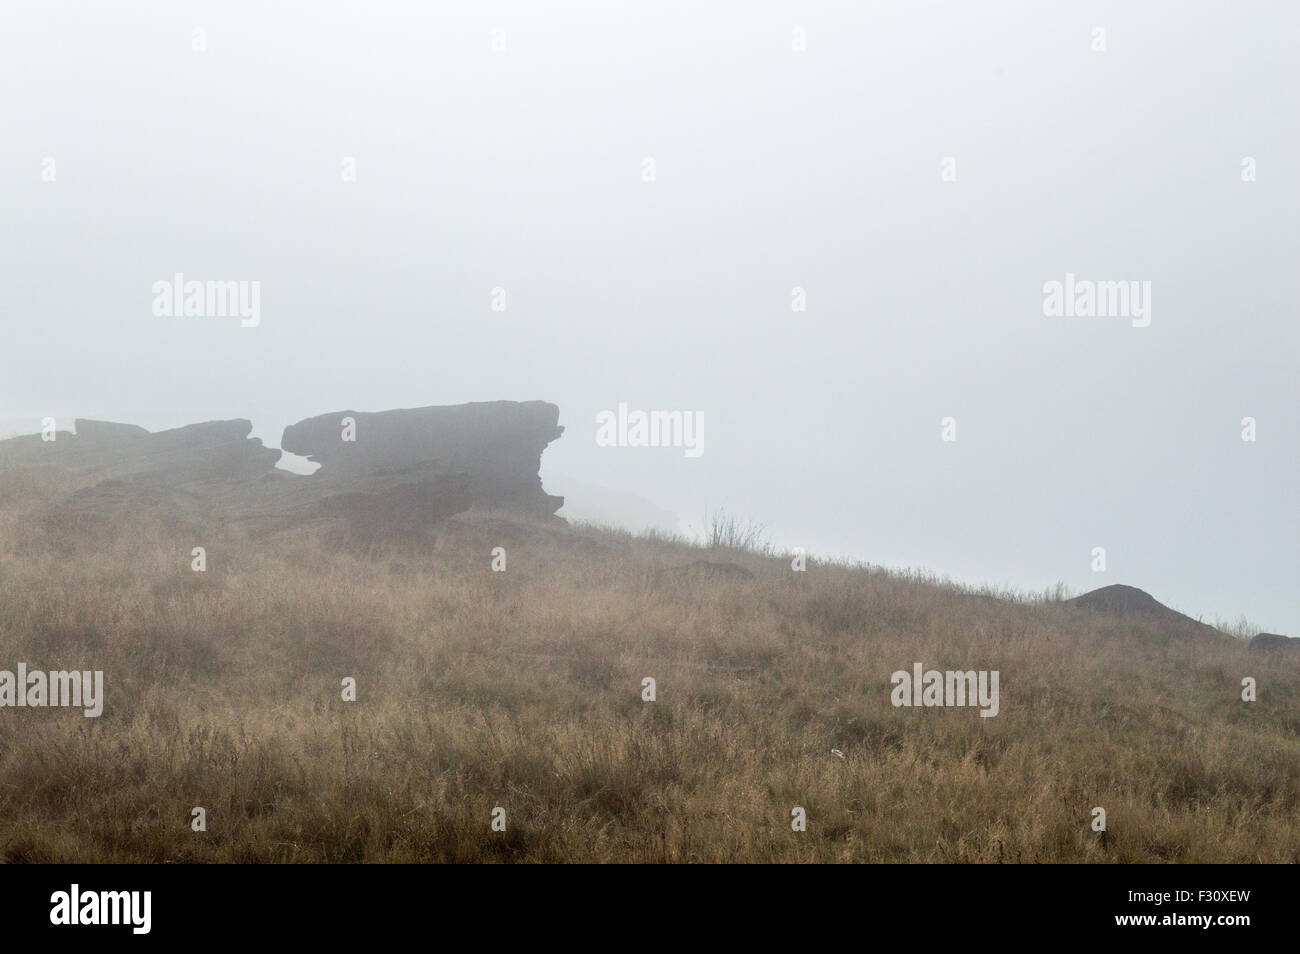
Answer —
404 510
497 445
108 432
1274 642
407 471
178 458
1124 601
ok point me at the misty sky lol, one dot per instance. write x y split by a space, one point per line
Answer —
522 169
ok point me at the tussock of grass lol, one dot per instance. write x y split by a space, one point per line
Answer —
523 689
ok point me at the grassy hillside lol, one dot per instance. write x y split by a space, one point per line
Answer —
522 689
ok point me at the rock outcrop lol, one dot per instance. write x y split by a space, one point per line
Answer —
1129 602
1274 642
497 445
405 472
181 458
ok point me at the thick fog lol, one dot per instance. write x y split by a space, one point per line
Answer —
821 228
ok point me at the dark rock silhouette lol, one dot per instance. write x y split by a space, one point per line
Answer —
498 446
183 457
405 510
1274 642
1129 602
103 433
407 470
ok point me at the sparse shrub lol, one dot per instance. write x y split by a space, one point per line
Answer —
725 531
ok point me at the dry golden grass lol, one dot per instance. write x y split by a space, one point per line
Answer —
522 689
